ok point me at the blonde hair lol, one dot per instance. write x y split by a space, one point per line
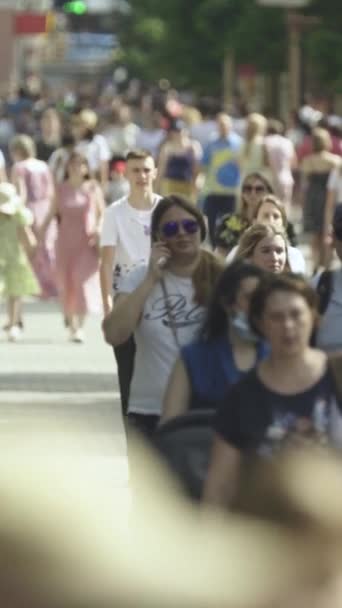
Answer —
256 125
270 198
321 140
252 237
23 145
242 205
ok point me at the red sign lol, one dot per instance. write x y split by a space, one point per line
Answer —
30 23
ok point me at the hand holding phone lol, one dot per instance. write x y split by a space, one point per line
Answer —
160 255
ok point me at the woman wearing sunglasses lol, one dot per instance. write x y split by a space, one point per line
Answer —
163 304
232 226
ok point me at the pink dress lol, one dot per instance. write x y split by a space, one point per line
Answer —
77 260
38 181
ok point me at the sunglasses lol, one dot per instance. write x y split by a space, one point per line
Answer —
257 189
171 229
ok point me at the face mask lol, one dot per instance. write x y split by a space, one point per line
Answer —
240 325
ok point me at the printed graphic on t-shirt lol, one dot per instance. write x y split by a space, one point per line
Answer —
291 430
178 309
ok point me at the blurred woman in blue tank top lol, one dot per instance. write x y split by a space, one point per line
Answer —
225 350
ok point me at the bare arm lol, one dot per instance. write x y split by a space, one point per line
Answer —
119 325
178 393
49 217
329 212
19 183
107 256
221 483
122 321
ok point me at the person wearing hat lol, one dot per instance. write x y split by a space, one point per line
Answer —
17 241
329 287
178 163
91 144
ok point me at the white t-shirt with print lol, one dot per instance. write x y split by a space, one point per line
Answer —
129 231
296 259
335 184
156 347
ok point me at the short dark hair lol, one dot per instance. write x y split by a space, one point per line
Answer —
290 283
226 290
138 154
175 201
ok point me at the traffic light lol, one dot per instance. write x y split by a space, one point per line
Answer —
75 7
71 7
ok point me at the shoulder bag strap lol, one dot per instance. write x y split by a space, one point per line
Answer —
169 313
335 366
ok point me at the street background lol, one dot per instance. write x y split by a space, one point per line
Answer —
44 376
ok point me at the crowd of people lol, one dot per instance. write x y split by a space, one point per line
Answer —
178 228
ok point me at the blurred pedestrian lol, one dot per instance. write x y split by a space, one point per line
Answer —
289 400
126 243
231 226
50 137
253 152
178 162
282 160
222 173
34 183
328 285
118 185
271 212
333 201
17 243
121 132
315 170
79 205
91 144
225 350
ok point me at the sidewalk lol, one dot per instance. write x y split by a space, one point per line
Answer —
45 377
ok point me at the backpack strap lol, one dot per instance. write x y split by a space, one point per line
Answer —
324 290
335 366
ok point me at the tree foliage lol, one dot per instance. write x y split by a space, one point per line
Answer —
186 41
323 44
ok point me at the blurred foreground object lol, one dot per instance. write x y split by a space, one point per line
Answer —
71 537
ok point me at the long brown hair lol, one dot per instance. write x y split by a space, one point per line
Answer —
205 277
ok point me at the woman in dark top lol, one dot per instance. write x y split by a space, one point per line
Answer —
225 350
288 400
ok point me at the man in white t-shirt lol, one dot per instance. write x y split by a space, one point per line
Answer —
125 243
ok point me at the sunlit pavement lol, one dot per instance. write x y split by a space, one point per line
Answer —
46 378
